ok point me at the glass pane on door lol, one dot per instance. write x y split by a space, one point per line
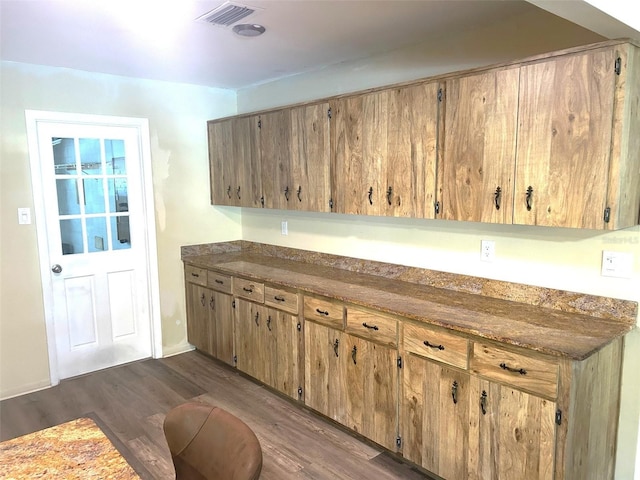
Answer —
71 236
67 190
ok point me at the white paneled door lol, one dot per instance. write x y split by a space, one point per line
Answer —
96 244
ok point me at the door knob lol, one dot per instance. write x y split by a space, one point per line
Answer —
56 268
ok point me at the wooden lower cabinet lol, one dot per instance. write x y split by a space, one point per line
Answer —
222 327
435 420
353 381
198 317
267 346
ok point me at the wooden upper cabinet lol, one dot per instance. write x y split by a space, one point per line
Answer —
476 174
565 139
295 158
383 151
234 162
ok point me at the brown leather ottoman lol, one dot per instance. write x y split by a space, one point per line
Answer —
208 443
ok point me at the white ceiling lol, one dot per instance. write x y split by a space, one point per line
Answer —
160 39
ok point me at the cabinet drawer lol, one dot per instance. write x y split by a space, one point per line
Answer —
437 345
539 376
248 289
195 275
281 299
325 311
219 281
372 326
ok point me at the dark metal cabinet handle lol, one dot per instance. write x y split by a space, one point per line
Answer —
257 318
218 281
212 303
203 301
371 327
299 193
506 367
354 351
430 345
322 312
529 197
389 194
286 193
269 322
238 193
248 290
192 274
278 298
370 193
483 402
336 344
496 199
229 191
454 392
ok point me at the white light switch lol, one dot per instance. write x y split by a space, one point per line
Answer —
617 264
24 216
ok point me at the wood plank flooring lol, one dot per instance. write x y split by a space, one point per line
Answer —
129 403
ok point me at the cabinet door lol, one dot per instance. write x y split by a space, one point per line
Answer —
359 152
247 339
310 162
223 321
564 140
198 312
287 373
512 433
476 178
435 421
412 133
221 164
275 133
371 389
324 379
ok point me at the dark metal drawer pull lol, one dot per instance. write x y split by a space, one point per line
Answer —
195 275
248 290
430 345
322 312
506 367
454 391
269 322
257 318
354 351
219 281
372 327
279 298
336 344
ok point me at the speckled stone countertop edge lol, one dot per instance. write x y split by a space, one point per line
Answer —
571 334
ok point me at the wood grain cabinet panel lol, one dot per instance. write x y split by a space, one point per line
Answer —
294 146
436 344
383 151
435 417
325 311
198 317
249 289
234 162
219 282
281 299
372 326
564 154
476 175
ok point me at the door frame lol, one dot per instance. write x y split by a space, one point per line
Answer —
33 119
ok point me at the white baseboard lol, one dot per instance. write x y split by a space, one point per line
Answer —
24 389
177 349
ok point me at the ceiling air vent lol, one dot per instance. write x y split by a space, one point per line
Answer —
226 14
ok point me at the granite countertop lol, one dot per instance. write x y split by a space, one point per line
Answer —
547 330
72 450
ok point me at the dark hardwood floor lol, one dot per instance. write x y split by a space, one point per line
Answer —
129 403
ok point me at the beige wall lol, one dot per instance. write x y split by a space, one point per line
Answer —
564 259
177 120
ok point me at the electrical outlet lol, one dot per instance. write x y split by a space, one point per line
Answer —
487 250
284 228
616 264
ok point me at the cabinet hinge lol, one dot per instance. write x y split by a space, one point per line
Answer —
436 207
331 203
299 326
398 441
262 201
299 391
329 113
235 359
558 417
259 123
233 304
607 214
440 95
399 362
618 66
